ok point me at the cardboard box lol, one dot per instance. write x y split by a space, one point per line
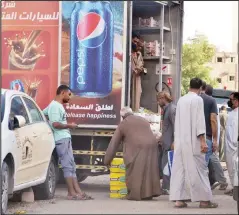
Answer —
117 179
118 191
117 166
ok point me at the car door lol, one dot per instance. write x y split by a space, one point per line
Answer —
24 142
44 141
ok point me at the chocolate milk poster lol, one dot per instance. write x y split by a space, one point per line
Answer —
29 48
92 61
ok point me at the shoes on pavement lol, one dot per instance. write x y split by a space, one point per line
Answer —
209 205
165 192
229 192
216 184
223 186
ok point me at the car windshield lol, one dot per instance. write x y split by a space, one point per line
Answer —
2 106
221 101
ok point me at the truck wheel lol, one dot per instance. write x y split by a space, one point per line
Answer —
47 189
5 187
81 178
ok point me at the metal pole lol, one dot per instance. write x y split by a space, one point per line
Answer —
130 14
161 49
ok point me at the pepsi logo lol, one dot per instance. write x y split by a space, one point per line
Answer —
91 30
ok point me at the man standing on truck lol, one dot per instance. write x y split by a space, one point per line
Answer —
137 69
56 114
140 153
167 139
189 178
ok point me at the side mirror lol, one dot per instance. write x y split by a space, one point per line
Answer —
16 122
20 121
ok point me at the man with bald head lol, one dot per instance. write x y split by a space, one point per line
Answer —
167 139
140 153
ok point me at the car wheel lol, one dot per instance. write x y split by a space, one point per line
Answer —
47 189
5 186
81 178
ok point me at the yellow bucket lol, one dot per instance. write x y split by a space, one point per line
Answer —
117 179
118 191
117 165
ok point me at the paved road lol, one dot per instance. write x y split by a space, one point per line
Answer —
98 187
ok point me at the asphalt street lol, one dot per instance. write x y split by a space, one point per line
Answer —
98 187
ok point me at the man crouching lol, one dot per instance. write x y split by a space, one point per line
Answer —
140 154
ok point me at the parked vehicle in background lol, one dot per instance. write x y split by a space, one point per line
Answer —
28 157
222 97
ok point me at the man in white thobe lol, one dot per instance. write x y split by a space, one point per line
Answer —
231 144
189 179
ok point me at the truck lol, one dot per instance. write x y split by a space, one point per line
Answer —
60 55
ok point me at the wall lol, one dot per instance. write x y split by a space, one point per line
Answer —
224 71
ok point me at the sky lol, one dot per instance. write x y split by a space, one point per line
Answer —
213 19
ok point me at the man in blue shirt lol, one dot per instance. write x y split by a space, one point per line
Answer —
56 114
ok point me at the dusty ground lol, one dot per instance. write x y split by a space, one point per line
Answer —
98 187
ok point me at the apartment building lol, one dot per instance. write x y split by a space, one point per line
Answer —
225 70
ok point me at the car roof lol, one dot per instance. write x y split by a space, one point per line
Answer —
12 92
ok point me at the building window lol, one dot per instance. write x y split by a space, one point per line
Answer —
219 80
219 59
231 78
232 59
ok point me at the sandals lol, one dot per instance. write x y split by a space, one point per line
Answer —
182 205
83 196
209 205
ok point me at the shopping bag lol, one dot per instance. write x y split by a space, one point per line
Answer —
168 166
170 160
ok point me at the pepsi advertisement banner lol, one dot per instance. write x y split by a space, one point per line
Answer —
92 61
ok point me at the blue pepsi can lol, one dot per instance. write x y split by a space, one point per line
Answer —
17 85
91 49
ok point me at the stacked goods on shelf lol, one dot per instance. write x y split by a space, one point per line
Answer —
146 22
118 187
152 48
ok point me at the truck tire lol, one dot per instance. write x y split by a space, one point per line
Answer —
47 189
5 186
81 178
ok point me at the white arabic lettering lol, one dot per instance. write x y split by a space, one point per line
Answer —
8 4
29 16
9 16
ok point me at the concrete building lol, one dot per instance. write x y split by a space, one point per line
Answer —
225 70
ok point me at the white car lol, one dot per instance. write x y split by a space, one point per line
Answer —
28 156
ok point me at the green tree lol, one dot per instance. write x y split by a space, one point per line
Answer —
196 54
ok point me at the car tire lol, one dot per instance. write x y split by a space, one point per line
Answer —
47 189
5 186
81 178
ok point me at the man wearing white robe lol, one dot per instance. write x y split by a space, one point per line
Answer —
189 179
231 143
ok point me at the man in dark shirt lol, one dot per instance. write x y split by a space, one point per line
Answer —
210 112
216 174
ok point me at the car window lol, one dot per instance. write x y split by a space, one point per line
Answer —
2 106
18 108
34 112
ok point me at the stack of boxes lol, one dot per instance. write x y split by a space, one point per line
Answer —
118 187
152 48
146 23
